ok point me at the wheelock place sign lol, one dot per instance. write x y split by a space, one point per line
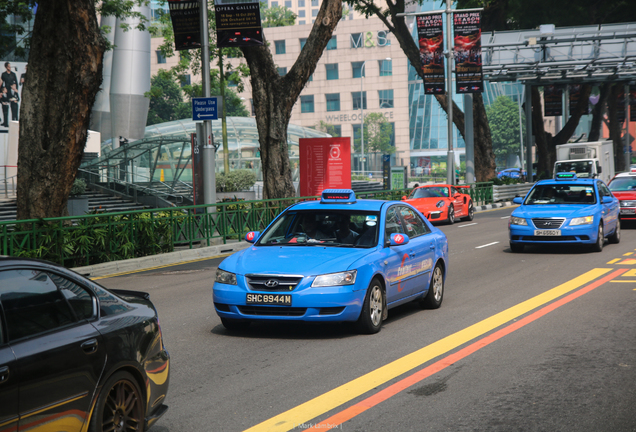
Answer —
353 117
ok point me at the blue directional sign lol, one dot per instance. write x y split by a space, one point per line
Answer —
205 108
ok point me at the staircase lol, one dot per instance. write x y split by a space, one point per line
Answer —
97 202
366 186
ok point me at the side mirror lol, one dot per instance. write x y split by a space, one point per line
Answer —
607 200
252 236
600 169
404 198
517 200
399 239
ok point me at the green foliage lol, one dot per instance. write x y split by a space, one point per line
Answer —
235 181
276 16
166 99
327 128
503 118
505 181
377 133
79 187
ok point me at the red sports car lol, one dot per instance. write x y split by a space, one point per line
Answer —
442 202
623 187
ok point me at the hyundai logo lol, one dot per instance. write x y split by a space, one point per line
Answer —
272 283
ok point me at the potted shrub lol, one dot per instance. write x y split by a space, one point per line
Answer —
234 186
77 202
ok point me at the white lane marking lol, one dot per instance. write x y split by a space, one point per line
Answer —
489 244
506 217
462 226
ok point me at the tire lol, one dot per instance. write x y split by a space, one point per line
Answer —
435 295
234 324
370 320
471 213
616 236
598 246
516 248
451 215
120 406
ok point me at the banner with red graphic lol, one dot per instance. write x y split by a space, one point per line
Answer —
552 100
468 72
431 41
325 163
238 24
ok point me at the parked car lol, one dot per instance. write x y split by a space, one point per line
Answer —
511 172
442 202
333 260
566 210
623 186
75 356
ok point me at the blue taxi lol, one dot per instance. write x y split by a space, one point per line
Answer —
335 259
565 210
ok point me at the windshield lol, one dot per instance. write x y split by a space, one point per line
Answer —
581 168
429 192
561 194
323 228
623 184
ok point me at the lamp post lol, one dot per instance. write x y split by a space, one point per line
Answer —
362 116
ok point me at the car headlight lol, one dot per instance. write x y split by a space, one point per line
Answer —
585 220
440 204
518 221
225 277
335 279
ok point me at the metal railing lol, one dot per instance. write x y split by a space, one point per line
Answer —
8 180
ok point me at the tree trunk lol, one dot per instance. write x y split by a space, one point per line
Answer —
597 114
65 74
615 132
540 137
274 97
484 155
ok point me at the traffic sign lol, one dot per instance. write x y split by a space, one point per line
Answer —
205 108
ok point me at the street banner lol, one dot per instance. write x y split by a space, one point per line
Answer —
186 23
386 172
552 101
238 24
468 71
620 104
197 173
574 94
325 163
431 41
632 104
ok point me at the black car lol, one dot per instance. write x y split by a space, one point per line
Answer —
75 356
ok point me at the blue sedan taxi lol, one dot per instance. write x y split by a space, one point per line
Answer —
565 210
334 259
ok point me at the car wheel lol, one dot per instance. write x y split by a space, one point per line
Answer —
120 406
435 295
370 320
451 215
616 237
598 246
471 212
515 247
235 324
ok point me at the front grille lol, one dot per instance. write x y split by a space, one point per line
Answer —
628 203
273 283
548 223
272 311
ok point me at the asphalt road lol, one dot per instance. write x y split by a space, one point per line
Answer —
537 341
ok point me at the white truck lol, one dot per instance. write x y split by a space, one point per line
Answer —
587 159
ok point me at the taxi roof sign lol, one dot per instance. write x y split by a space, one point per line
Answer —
338 196
565 176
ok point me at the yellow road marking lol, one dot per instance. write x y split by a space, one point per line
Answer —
628 253
160 267
614 260
623 281
313 408
630 273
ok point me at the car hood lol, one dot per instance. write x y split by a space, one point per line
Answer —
555 210
625 195
425 202
301 260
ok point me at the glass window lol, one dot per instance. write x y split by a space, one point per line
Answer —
301 14
386 98
333 43
429 192
603 189
232 83
333 101
314 12
80 300
356 40
282 71
357 70
413 223
280 46
623 184
185 80
301 22
274 4
561 193
32 303
301 3
386 67
160 57
307 104
288 3
303 41
315 2
393 223
337 130
332 71
355 96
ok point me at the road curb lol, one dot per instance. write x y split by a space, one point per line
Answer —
494 206
134 264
